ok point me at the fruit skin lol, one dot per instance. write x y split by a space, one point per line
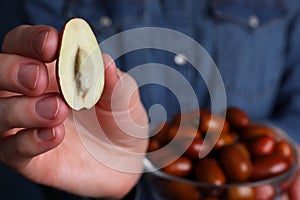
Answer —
285 149
240 193
268 166
226 138
236 165
180 167
180 190
194 148
208 170
211 122
237 118
263 145
88 98
254 131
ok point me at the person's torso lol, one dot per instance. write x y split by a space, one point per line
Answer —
247 41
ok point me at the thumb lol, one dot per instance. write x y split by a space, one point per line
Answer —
120 109
119 135
120 89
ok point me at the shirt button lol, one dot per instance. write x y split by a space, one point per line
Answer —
253 21
180 59
105 21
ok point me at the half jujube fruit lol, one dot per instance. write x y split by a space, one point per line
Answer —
80 68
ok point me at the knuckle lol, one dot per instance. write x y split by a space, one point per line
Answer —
12 36
13 114
21 145
5 44
5 117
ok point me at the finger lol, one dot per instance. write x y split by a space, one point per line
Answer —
294 193
17 150
28 112
22 75
39 42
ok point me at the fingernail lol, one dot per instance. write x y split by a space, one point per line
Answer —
46 134
48 107
39 42
28 76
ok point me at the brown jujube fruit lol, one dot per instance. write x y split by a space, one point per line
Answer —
284 149
242 148
180 167
255 131
262 146
207 170
237 167
191 118
194 148
240 193
237 118
212 122
182 132
181 191
160 131
268 166
226 138
153 145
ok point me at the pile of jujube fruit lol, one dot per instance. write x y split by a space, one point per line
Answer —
244 152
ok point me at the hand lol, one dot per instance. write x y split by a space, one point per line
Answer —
38 136
294 193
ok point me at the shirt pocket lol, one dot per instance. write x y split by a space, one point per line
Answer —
249 14
250 50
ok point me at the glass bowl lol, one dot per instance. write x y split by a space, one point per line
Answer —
170 187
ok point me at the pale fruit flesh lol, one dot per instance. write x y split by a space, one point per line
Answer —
80 67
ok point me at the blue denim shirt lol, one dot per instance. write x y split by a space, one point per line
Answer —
254 43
